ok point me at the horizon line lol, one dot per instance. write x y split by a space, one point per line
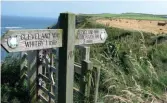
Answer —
51 17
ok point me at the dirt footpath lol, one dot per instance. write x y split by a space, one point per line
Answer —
156 27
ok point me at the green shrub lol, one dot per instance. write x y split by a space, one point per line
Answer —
13 90
134 69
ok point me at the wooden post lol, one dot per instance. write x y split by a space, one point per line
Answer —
66 58
86 71
39 71
55 87
50 72
23 66
31 75
86 79
85 53
54 60
96 80
23 71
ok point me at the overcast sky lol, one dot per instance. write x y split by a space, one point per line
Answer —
53 8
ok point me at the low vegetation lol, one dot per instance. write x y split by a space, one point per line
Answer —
133 66
13 90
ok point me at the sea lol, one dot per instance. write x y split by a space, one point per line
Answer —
16 22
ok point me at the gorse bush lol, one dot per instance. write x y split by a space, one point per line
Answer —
133 65
13 89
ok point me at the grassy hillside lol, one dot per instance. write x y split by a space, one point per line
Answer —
138 16
133 65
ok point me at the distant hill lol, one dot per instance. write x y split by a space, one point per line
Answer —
165 16
139 16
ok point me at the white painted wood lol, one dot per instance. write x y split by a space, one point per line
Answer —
46 91
36 39
32 39
90 36
43 99
31 73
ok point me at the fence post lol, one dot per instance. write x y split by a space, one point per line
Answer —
48 61
39 71
66 58
55 86
23 71
86 72
23 66
86 76
31 75
96 80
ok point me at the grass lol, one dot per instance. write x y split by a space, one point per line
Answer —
137 16
133 65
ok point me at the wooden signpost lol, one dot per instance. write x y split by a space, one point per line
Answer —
66 37
31 39
25 40
90 36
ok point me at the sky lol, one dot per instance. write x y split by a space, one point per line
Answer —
53 8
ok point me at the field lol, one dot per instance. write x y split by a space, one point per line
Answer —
138 25
137 16
132 21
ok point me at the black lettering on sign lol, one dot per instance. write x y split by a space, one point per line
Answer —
54 42
50 42
30 37
27 44
33 43
90 32
89 36
22 37
96 31
97 36
89 41
36 35
40 43
55 35
45 35
46 42
84 32
80 34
